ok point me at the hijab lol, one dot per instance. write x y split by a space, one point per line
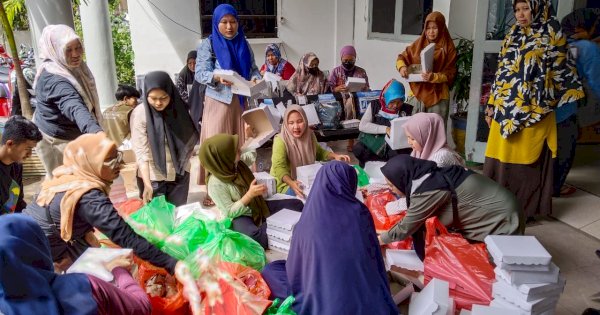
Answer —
348 51
52 51
81 172
300 151
429 131
334 264
392 91
28 284
186 75
232 54
173 125
534 75
444 60
277 69
402 170
306 83
218 156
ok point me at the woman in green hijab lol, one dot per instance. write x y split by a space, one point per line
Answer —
233 188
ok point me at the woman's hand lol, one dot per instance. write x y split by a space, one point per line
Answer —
341 157
296 186
248 132
340 88
427 76
262 73
222 81
256 190
124 261
388 130
404 72
488 120
255 81
147 194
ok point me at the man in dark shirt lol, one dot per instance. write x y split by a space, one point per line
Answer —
19 138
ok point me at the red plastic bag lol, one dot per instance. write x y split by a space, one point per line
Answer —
237 300
249 277
450 257
174 305
403 244
376 204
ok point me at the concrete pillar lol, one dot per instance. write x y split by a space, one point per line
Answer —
46 12
97 38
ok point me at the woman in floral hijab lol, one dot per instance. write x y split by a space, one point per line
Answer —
534 78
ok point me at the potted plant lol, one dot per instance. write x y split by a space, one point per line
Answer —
460 89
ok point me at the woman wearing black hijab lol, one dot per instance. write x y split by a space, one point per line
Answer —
185 78
163 137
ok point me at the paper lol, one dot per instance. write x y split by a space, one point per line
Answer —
311 114
415 71
263 127
93 260
355 84
281 109
240 85
397 138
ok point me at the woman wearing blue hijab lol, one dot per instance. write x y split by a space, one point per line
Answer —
335 264
226 48
28 284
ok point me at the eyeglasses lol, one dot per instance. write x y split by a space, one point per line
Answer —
115 161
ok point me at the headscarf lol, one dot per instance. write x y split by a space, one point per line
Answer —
444 60
534 75
300 151
306 83
402 169
28 284
334 264
52 51
391 91
277 69
348 51
217 155
186 75
429 131
173 125
81 172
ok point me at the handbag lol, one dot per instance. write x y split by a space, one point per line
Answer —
375 143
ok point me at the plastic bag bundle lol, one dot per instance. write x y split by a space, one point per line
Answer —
282 308
172 305
376 204
330 114
186 238
228 245
154 221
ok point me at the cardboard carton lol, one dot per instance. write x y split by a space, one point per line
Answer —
415 71
311 114
240 85
373 169
397 138
283 237
351 123
514 293
283 221
403 258
355 84
263 126
493 310
93 260
523 277
306 175
275 116
278 246
432 300
513 249
269 181
535 307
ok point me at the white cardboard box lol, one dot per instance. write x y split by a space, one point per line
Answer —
521 267
283 237
278 246
414 71
284 220
355 84
351 123
307 174
240 85
92 261
275 116
397 138
493 310
432 300
531 291
373 169
407 259
262 124
535 307
514 249
311 114
269 181
499 302
517 277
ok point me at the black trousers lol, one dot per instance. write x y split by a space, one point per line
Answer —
364 154
567 142
245 224
176 192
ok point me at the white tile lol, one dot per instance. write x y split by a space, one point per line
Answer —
577 210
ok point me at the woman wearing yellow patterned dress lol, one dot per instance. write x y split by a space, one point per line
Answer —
534 77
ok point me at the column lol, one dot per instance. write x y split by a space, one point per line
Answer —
97 38
46 12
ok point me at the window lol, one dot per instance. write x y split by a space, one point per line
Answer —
398 19
257 17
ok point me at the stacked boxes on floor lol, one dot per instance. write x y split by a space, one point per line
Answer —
527 280
279 229
434 299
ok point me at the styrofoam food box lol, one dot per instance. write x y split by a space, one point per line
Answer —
278 246
547 310
521 267
522 277
534 307
283 237
515 249
284 220
407 259
432 300
533 291
493 310
511 294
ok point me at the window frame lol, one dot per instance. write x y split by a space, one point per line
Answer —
397 35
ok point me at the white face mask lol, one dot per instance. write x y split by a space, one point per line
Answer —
387 115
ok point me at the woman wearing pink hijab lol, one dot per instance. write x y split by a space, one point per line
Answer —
427 136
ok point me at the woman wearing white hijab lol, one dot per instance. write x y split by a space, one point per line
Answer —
65 89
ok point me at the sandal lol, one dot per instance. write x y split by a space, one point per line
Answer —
208 202
567 190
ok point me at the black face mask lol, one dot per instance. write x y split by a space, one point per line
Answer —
348 65
313 71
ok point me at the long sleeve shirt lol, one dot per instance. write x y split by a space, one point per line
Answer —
125 296
368 126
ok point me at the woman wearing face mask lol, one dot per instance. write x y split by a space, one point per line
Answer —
433 94
275 64
233 188
65 89
226 48
534 77
427 137
74 203
339 74
295 146
163 137
375 124
308 78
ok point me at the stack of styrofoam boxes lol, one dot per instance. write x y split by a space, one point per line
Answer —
279 229
306 175
269 181
490 310
434 299
526 278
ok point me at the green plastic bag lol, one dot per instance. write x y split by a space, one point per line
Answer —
363 177
186 238
284 308
154 221
232 246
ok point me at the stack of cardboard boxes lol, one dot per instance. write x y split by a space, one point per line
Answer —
280 227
